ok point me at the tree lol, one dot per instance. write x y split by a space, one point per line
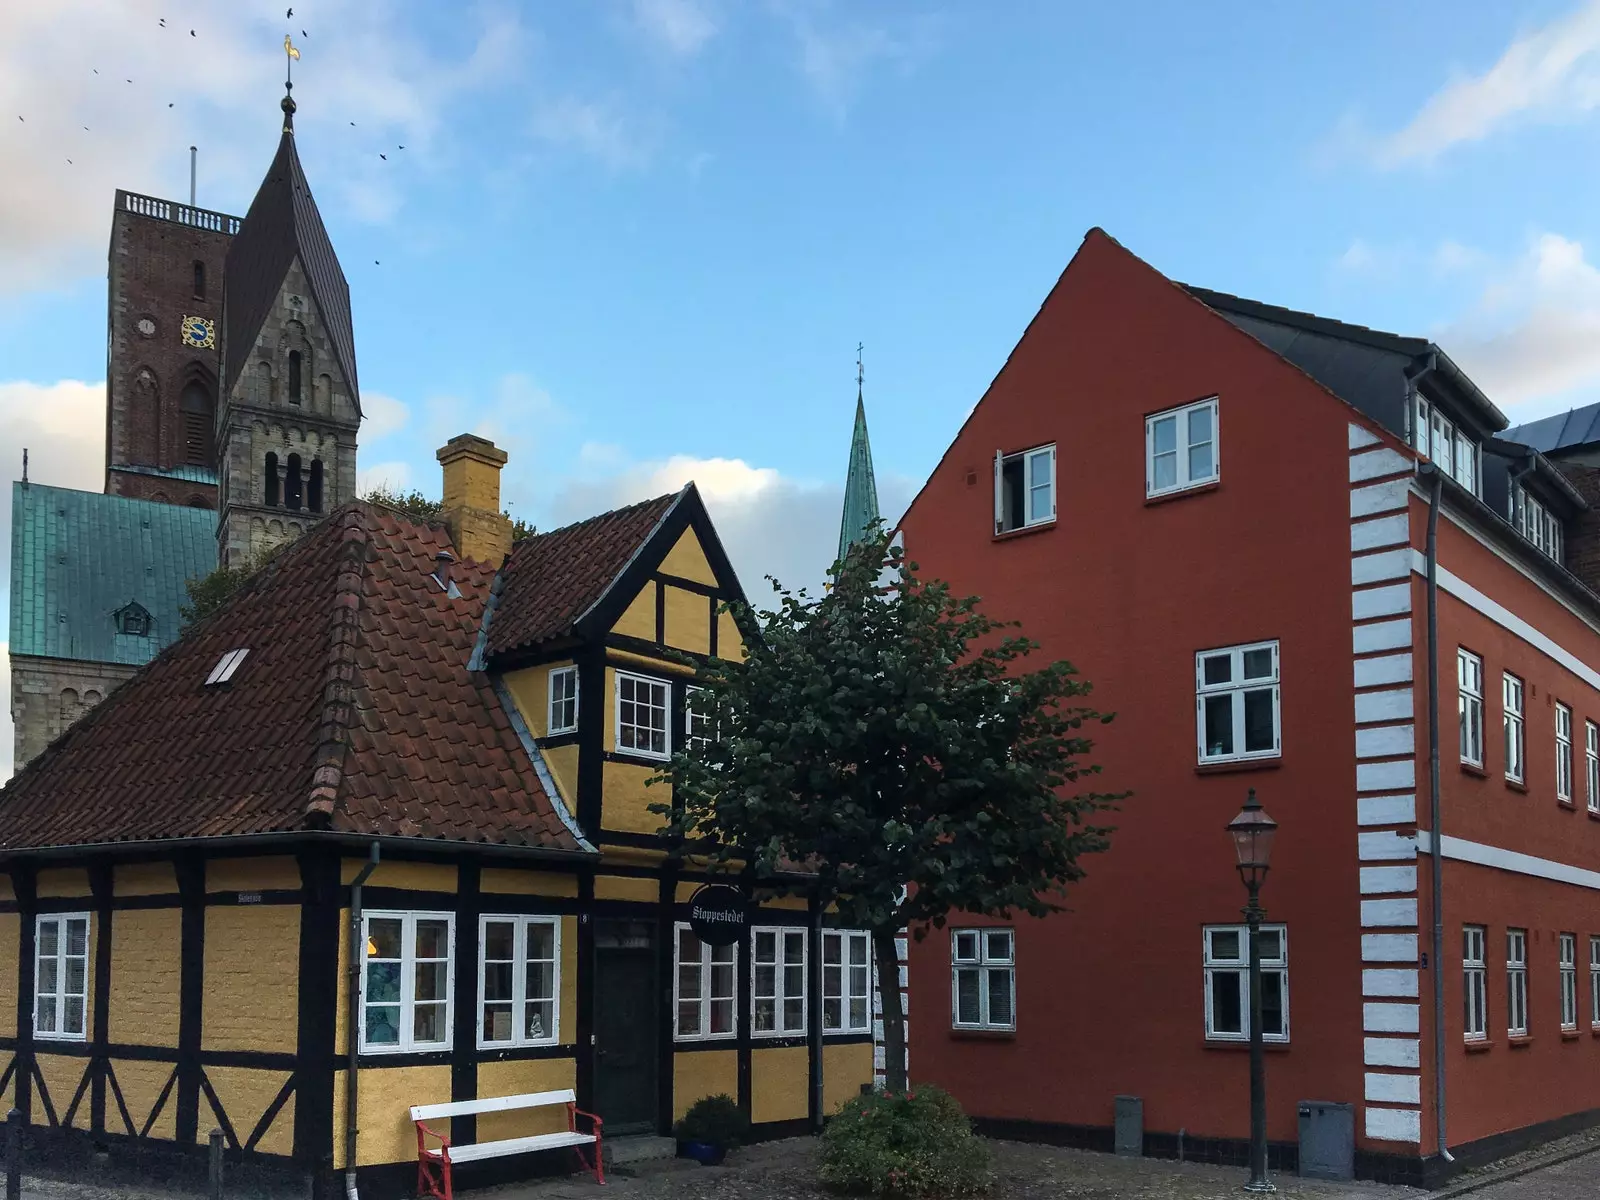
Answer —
415 504
210 592
883 746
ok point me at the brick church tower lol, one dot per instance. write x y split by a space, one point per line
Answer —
289 404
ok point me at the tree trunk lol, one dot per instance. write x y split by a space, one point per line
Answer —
894 1024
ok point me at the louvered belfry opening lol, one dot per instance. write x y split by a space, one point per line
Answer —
270 470
314 487
195 407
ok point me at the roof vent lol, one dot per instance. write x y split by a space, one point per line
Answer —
226 666
441 574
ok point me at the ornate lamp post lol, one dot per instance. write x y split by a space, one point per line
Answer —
1252 832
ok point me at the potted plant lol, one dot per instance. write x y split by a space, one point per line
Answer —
712 1126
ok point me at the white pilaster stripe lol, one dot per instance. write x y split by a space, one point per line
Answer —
1389 914
1386 810
1382 635
1393 704
1390 1018
1394 1089
1394 1124
1380 602
1509 860
1375 464
1373 568
1375 672
1380 847
1377 881
1391 1052
1389 981
1386 776
1388 741
1389 947
1361 437
1393 530
1377 498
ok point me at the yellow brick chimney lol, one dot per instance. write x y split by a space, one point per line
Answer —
472 498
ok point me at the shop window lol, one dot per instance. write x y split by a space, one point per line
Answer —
778 982
846 982
406 981
704 987
519 981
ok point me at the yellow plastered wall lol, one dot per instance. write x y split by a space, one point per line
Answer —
510 882
639 618
687 560
141 1084
7 892
144 879
786 903
144 976
62 1075
530 688
10 948
245 1095
421 877
63 883
625 799
278 873
341 999
620 887
251 960
844 1069
688 620
563 764
702 1073
386 1134
519 1078
778 1080
729 643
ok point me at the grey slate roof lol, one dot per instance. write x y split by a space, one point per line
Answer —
1563 431
283 222
78 557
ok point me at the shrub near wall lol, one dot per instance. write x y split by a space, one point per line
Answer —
917 1144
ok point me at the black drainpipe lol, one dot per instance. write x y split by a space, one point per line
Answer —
352 1024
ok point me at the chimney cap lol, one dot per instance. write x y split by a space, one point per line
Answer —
470 445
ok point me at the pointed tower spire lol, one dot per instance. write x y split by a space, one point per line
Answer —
860 487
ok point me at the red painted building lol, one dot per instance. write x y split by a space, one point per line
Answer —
1218 511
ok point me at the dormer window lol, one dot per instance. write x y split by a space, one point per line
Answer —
132 620
1452 451
1537 523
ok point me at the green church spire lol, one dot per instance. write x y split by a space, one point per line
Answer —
860 488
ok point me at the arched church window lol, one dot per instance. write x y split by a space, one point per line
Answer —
271 473
199 280
293 485
195 406
294 377
314 487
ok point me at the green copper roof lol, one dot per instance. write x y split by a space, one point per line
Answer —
186 473
78 558
860 488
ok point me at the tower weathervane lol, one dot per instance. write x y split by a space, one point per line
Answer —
860 374
290 53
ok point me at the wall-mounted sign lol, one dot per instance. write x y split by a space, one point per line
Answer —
718 914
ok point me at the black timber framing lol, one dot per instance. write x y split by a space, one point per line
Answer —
666 966
592 700
100 887
814 1012
318 1000
464 1043
24 882
191 872
583 1068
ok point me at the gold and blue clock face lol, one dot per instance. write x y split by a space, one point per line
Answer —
198 333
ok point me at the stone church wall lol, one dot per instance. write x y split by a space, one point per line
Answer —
49 694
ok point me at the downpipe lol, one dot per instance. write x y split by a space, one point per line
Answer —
1436 859
352 1026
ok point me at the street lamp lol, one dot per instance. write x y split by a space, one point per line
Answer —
1252 832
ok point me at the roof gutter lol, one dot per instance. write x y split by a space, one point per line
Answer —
288 839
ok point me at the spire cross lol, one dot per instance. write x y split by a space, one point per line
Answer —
860 374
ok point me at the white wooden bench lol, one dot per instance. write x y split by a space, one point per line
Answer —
434 1162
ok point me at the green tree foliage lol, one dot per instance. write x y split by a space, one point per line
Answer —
210 592
884 735
415 504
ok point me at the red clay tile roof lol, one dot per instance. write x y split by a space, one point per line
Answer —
354 711
552 579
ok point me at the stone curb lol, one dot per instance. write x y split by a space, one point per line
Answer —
1529 1168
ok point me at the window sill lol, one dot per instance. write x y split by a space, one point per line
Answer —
984 1035
1243 764
1516 785
61 1039
1566 804
1271 1047
1593 815
1569 1035
1478 1045
1194 489
1474 769
1521 1041
1024 531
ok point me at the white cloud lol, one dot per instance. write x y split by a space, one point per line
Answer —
62 426
390 476
1548 74
381 416
597 128
837 53
679 26
1358 257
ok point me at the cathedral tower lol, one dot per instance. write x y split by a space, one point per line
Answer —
290 407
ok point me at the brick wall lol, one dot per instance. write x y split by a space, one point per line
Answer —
49 694
1583 534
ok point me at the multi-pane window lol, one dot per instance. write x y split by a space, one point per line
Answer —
643 716
706 983
846 982
1594 981
519 968
1180 448
1517 982
1227 982
778 981
1024 488
1516 748
1474 984
61 976
1591 764
1569 981
1469 691
1236 702
1537 523
406 981
1452 451
697 722
983 979
1563 753
563 699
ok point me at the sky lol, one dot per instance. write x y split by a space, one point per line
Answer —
637 242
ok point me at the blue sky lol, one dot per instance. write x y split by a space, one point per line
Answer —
637 241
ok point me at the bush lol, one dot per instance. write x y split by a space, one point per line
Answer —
715 1120
918 1144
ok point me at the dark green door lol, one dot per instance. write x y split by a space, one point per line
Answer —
625 1073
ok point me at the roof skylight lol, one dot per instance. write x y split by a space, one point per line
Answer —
226 666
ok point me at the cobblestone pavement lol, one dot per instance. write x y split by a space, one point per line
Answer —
1559 1170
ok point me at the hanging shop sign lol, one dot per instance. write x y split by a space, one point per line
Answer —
718 914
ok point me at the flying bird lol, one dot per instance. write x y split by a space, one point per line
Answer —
191 33
402 147
375 262
385 157
163 22
288 15
169 106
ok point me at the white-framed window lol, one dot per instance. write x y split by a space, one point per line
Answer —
1236 702
1024 488
1563 753
1517 982
519 981
1469 689
705 984
1594 981
406 972
1537 523
61 977
1180 448
1569 980
1474 984
846 981
1227 983
1591 764
1436 436
696 722
644 715
563 700
983 979
1516 744
777 981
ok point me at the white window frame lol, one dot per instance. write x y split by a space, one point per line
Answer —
407 1042
59 997
1537 524
1591 764
1182 449
666 714
520 1000
783 937
842 991
1512 704
1446 444
1027 458
1594 982
1569 981
707 997
1277 964
692 721
985 961
1563 753
1517 983
556 703
1237 686
1469 699
1474 983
